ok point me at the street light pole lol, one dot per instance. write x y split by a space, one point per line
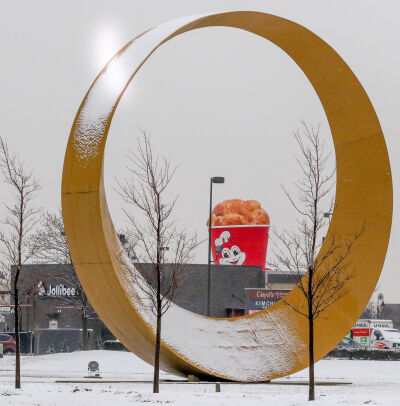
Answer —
215 179
327 215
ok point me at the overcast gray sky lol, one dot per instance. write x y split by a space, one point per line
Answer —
220 102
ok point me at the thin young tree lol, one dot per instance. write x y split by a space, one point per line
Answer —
19 222
50 246
155 233
322 278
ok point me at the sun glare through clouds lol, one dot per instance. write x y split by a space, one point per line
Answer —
108 42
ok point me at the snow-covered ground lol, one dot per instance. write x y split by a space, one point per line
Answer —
373 383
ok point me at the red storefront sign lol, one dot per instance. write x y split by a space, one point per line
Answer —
240 245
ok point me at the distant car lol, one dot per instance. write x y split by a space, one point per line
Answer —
348 342
9 344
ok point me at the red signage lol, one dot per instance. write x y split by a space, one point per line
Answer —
240 245
361 332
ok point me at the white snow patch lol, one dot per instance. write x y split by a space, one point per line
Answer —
373 383
244 349
249 348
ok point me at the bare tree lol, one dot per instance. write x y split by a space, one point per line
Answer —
373 309
127 239
370 311
19 221
154 232
321 279
50 246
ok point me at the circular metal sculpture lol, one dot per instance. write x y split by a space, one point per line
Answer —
273 342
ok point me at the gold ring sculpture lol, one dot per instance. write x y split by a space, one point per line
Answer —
273 342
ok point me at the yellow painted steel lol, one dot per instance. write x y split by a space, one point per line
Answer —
364 194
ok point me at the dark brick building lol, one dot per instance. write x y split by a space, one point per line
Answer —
391 311
228 283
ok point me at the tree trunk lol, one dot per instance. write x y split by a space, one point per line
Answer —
17 346
156 379
85 337
311 383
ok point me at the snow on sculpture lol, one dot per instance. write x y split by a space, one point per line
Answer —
272 342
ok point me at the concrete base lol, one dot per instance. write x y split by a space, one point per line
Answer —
170 382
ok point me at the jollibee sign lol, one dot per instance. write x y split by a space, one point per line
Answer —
56 290
240 245
239 233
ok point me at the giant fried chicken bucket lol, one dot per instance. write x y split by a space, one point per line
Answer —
239 233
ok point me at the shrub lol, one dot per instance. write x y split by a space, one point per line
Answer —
113 346
50 350
365 354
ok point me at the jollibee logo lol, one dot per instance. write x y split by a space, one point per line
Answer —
228 253
40 289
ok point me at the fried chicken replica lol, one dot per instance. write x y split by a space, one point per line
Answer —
238 212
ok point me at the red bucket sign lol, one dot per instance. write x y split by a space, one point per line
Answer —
240 245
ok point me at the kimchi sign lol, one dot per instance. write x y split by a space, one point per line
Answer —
259 299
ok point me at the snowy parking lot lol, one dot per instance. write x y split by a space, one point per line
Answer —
373 383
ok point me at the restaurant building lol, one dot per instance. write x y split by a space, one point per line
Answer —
53 310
